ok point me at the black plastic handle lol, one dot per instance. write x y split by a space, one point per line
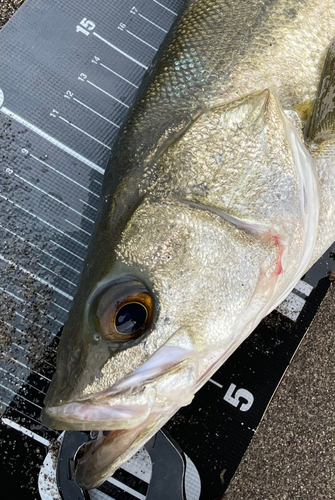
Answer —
168 467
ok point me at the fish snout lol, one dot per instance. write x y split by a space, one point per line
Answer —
160 384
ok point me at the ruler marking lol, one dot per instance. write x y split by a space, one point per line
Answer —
215 383
14 343
166 8
24 348
55 303
19 395
57 321
12 295
58 260
151 22
63 175
120 51
52 140
80 228
29 369
304 288
25 431
53 198
24 381
37 324
38 248
12 326
96 113
83 132
291 306
61 307
117 74
28 416
141 40
58 276
29 320
37 278
66 250
110 95
126 488
85 203
42 220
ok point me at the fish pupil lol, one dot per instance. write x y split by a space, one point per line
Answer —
130 318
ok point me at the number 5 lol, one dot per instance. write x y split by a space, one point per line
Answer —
235 399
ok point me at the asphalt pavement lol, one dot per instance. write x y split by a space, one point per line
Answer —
292 453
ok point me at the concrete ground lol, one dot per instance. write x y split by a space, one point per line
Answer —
7 9
292 453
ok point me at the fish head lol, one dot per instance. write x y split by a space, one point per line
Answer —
186 281
188 303
169 300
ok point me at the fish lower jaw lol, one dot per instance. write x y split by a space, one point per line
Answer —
79 416
106 417
110 450
111 417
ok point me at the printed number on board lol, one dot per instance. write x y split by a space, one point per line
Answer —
241 399
85 26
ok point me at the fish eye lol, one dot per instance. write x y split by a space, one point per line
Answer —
124 311
130 318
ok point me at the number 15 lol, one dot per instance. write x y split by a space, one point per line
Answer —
85 23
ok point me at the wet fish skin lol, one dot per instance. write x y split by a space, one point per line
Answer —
203 203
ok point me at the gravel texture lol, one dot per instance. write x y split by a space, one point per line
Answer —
292 453
7 9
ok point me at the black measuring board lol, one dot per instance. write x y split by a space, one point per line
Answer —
69 74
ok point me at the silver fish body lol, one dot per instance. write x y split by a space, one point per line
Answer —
214 205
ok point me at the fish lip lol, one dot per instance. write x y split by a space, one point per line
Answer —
102 412
110 417
86 413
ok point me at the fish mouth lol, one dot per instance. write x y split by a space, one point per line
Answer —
102 457
154 387
132 410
